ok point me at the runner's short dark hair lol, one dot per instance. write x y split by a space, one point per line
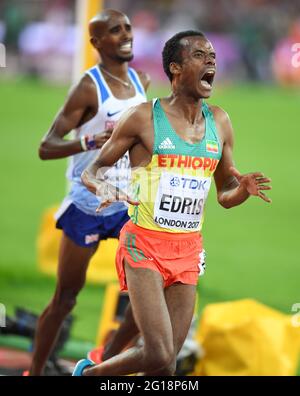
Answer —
172 51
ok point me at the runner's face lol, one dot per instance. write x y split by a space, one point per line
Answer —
116 40
198 66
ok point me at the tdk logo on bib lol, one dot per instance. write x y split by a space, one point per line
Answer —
180 200
184 182
175 181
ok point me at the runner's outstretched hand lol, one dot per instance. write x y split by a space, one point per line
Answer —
254 183
110 194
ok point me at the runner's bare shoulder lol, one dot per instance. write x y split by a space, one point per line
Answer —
84 91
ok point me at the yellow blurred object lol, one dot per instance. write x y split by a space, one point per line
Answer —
247 338
102 266
85 56
112 312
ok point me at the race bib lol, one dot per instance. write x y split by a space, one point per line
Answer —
180 201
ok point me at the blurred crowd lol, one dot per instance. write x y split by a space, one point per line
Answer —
253 38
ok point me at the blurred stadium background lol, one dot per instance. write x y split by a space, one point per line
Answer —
253 249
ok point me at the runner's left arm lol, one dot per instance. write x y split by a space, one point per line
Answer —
233 188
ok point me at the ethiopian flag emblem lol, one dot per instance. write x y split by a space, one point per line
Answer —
212 146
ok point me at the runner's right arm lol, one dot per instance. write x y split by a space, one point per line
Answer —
126 134
81 103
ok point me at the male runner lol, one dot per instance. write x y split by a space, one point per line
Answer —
92 109
177 144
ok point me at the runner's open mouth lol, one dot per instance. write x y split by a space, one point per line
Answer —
126 47
208 77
